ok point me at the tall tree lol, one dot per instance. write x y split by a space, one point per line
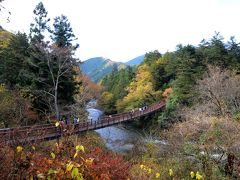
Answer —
63 35
60 77
61 67
40 24
38 65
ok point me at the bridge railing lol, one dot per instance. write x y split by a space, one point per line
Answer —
48 131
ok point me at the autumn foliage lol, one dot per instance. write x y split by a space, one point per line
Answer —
65 160
167 92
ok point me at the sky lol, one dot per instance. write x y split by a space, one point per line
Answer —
124 29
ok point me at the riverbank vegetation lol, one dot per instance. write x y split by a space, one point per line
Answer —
200 122
41 81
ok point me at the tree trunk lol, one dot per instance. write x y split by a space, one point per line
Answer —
56 101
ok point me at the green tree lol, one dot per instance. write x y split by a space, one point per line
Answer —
14 64
233 53
63 35
214 52
52 64
117 82
40 24
37 61
61 64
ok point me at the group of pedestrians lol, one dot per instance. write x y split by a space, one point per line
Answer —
143 108
64 121
139 109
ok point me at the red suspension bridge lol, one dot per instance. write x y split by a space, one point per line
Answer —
25 134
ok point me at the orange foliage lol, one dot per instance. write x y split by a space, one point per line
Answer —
167 92
90 89
31 164
109 165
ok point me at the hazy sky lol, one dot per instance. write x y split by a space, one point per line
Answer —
123 29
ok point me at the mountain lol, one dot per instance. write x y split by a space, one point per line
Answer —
135 61
98 67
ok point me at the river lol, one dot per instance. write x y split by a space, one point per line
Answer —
119 138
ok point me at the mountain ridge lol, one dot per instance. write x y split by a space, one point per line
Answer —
98 67
135 61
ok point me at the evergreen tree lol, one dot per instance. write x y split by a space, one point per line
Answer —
62 67
63 35
40 24
151 59
37 61
14 66
233 54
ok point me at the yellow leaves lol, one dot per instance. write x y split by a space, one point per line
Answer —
139 89
69 166
146 169
107 96
2 88
75 155
76 175
149 171
198 176
72 168
143 80
157 175
75 172
5 38
33 148
170 172
19 149
53 155
192 174
79 148
57 124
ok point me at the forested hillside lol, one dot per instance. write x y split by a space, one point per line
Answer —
115 88
44 92
200 85
39 79
175 75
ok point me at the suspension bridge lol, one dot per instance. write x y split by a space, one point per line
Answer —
35 133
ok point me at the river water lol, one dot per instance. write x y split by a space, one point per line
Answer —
119 138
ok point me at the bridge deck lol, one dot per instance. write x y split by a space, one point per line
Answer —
26 134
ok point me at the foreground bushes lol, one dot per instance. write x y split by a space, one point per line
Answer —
65 160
